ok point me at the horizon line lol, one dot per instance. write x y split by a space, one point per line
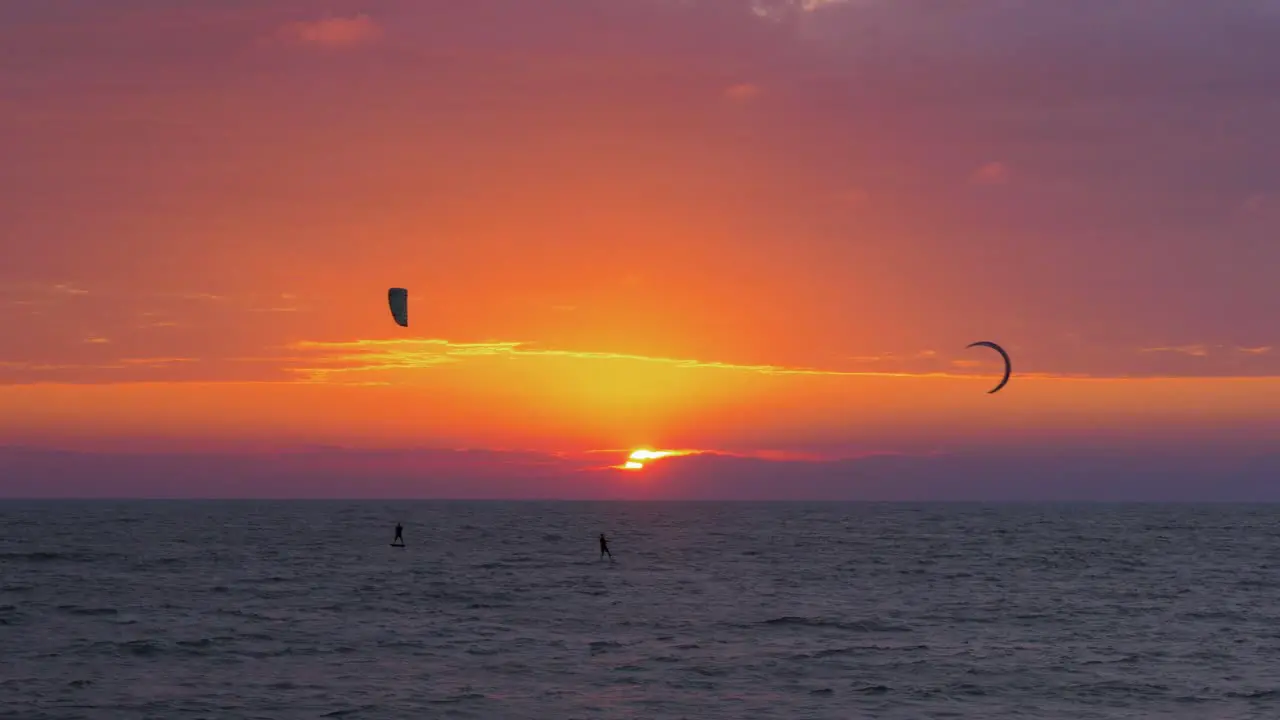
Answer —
96 498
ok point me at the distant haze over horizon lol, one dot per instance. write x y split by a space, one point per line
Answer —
753 238
451 475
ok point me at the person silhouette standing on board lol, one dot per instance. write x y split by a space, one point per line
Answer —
604 548
399 540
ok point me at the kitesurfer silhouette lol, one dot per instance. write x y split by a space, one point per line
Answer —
604 548
399 534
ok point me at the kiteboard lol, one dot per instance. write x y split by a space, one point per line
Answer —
397 544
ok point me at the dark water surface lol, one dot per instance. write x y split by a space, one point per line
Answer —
713 610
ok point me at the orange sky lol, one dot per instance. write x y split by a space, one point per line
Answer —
617 235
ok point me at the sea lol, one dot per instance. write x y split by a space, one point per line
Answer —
496 610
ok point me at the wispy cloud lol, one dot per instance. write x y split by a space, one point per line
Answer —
1258 203
157 362
54 367
334 33
320 362
410 353
1202 350
743 92
813 5
779 10
35 293
146 469
634 459
1192 350
273 305
851 198
652 459
993 173
252 303
97 340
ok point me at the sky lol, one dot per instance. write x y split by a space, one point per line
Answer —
755 234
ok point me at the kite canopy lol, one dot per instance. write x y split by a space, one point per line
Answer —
398 299
1008 365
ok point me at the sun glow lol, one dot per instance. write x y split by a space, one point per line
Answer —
637 458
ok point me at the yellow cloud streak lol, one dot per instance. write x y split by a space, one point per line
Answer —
157 362
1193 350
373 355
416 353
53 367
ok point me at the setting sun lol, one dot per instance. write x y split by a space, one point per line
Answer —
637 459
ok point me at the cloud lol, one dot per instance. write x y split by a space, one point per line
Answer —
1004 45
782 10
1191 473
410 353
297 472
46 367
157 362
35 293
287 306
1254 350
1192 350
743 92
97 340
993 173
1257 202
852 198
250 302
1184 473
69 289
335 33
814 5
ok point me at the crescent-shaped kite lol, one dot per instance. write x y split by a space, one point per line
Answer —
398 299
1008 365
